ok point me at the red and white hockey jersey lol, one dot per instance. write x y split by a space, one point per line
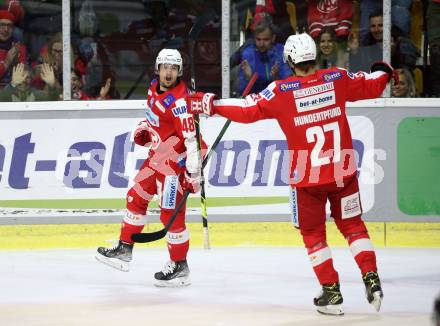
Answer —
311 113
171 130
337 14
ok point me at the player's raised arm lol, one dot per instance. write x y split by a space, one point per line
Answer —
363 86
252 108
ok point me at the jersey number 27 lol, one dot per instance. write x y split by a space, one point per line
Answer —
317 134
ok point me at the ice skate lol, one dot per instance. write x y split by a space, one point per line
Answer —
373 289
329 301
117 257
173 274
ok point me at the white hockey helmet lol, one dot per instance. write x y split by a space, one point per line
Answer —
299 48
170 56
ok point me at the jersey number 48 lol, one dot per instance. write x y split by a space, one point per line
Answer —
188 124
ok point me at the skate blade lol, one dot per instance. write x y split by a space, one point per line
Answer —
377 300
118 264
332 310
174 283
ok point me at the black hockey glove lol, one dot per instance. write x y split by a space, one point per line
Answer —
383 66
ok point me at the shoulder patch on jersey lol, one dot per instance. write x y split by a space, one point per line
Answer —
152 118
168 100
289 86
159 106
330 76
355 75
151 101
267 94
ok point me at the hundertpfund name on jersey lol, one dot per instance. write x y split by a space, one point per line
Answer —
317 116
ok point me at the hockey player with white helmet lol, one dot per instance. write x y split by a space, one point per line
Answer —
173 165
309 106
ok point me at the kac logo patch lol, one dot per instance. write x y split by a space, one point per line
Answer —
168 100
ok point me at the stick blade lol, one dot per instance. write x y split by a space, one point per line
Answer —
148 237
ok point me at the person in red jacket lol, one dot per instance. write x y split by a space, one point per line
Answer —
310 109
173 164
11 53
337 14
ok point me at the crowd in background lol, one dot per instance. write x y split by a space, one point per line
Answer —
349 34
112 57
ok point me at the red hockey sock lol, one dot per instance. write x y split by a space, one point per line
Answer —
322 263
127 230
363 252
178 251
178 244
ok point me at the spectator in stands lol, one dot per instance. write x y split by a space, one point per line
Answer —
329 54
433 29
400 14
20 90
11 53
106 91
337 14
406 86
92 58
17 10
77 88
77 83
265 57
362 56
52 54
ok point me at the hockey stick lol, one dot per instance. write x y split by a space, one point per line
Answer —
153 236
193 35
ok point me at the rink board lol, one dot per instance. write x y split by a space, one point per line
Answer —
74 151
230 234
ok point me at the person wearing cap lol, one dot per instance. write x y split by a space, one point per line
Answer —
11 53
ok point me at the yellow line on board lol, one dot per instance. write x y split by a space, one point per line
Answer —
25 237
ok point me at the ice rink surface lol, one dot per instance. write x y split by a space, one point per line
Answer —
230 286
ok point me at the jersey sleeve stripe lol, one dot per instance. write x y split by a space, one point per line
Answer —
234 102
